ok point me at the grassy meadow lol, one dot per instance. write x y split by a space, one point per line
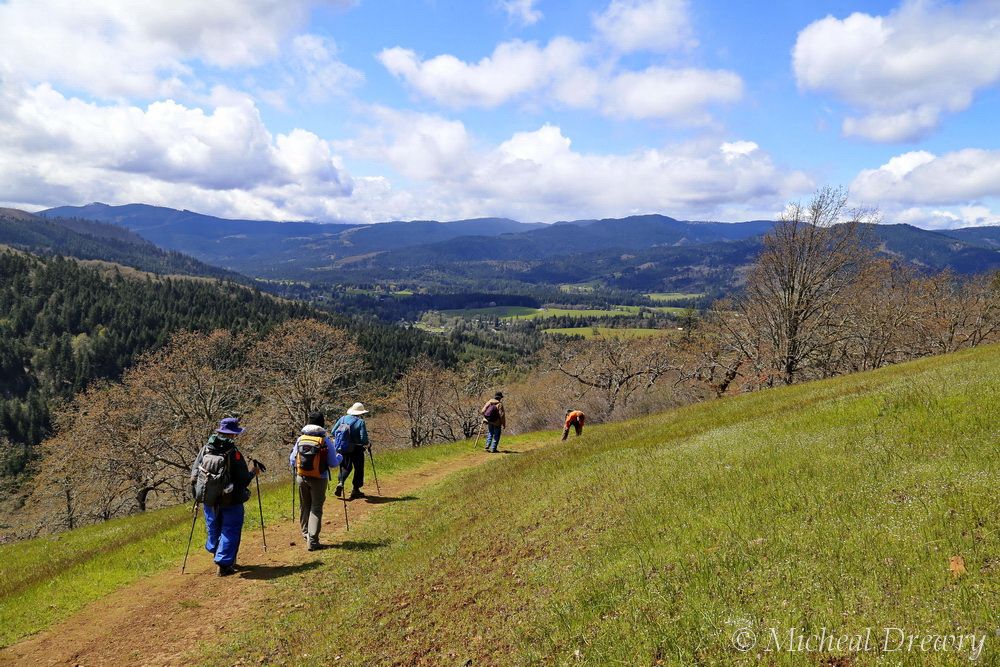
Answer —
836 504
675 296
527 313
609 332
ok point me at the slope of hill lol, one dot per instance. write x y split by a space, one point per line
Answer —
987 237
64 324
86 239
937 250
696 536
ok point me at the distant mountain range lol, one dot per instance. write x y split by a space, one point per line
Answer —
87 239
277 249
646 252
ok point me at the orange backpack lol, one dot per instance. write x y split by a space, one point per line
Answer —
310 461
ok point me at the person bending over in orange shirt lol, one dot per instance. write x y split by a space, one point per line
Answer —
574 418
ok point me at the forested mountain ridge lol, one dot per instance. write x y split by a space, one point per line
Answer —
64 324
276 249
626 264
87 239
641 252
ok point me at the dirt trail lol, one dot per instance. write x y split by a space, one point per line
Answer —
158 619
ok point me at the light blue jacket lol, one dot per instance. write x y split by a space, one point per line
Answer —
359 432
333 459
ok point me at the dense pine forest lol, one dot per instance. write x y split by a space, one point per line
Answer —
87 239
65 324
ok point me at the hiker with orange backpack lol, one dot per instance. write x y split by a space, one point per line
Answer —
313 456
574 418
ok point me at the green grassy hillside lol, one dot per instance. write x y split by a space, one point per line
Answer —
836 504
45 580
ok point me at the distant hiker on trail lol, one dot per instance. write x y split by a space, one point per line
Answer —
313 456
350 437
221 481
496 420
574 418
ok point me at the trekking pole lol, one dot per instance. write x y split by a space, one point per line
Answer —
293 495
194 519
374 473
260 505
347 523
479 432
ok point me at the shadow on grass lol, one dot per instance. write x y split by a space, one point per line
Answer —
275 571
381 500
358 545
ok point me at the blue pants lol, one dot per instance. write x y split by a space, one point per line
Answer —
225 527
492 437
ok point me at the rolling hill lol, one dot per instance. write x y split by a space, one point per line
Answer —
86 239
695 536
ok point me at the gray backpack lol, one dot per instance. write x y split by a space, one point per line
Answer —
213 479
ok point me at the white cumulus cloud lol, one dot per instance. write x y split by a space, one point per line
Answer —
660 92
658 26
561 73
956 189
121 48
56 149
538 175
903 71
512 70
920 177
523 11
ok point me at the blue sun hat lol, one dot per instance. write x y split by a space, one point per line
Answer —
229 426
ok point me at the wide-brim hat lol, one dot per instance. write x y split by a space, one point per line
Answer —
498 396
357 410
230 426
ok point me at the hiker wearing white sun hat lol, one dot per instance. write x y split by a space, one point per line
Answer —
351 440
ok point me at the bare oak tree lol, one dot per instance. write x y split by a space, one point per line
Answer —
615 367
790 317
305 366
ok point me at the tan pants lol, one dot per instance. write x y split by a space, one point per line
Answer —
312 495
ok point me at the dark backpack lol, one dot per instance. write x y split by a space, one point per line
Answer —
343 438
492 412
213 479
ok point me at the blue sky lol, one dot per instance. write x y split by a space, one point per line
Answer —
532 109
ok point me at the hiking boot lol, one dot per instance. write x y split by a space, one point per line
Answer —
357 493
226 570
339 491
313 546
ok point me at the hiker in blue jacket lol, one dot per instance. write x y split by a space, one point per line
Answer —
313 456
224 516
354 452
